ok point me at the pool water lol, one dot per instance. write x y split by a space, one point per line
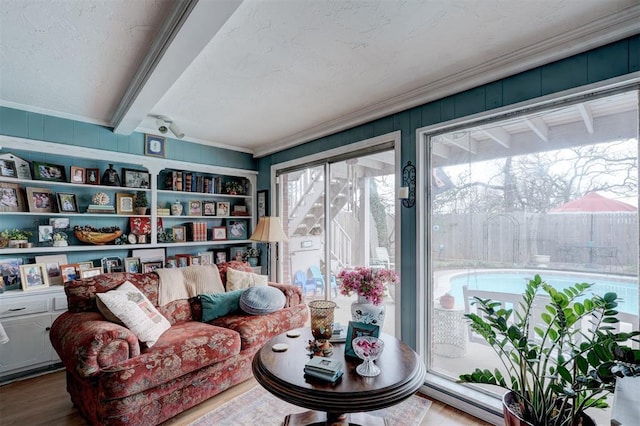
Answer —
515 281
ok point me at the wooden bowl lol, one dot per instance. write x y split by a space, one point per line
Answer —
97 238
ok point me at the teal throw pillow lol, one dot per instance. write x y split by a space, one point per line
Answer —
219 304
262 300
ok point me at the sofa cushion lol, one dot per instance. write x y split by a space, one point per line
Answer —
232 264
237 280
262 300
219 304
136 312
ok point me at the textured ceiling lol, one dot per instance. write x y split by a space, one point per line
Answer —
259 75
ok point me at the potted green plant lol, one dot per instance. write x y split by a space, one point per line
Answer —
141 202
16 237
554 371
234 188
251 255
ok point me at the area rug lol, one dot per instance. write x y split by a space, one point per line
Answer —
259 407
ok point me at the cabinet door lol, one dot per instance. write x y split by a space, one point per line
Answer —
28 344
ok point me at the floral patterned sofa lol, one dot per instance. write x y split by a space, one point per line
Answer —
114 380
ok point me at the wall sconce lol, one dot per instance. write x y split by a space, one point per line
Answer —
407 192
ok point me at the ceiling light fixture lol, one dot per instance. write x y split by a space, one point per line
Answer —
165 123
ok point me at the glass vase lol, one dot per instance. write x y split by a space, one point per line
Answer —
322 318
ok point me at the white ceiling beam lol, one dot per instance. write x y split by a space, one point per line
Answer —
539 127
190 27
462 141
587 117
499 135
440 150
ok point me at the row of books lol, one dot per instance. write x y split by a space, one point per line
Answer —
196 231
328 369
192 182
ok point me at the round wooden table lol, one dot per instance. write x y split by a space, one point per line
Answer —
342 402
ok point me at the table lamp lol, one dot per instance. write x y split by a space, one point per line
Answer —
269 230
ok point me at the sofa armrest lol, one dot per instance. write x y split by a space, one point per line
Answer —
87 344
291 292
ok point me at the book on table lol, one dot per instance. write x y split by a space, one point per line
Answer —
324 368
328 377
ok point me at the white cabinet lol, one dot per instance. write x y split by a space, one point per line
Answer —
26 318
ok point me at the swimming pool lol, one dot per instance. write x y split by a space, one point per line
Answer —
514 281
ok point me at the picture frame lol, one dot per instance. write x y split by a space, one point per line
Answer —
220 256
69 272
208 208
237 229
90 272
132 265
23 168
40 200
59 222
67 202
108 263
135 178
195 260
155 146
261 202
8 168
219 233
11 197
85 265
33 276
149 255
357 329
206 258
222 208
92 176
237 253
45 233
48 171
151 266
77 174
171 262
124 203
52 266
179 233
182 260
10 273
195 208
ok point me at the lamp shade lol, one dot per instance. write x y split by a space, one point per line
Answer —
269 230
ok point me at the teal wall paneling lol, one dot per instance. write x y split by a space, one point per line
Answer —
615 59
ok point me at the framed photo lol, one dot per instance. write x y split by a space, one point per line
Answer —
124 203
195 208
84 265
171 262
132 265
222 208
90 272
33 276
23 171
219 233
67 202
92 176
78 174
237 229
11 199
45 233
195 260
10 273
59 222
151 266
179 233
262 203
135 178
155 146
357 329
40 200
46 171
109 263
69 272
8 168
237 253
182 260
206 258
52 266
149 255
208 208
220 256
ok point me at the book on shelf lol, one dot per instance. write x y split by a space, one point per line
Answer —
323 365
97 208
197 231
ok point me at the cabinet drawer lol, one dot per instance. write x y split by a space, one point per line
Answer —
22 306
60 303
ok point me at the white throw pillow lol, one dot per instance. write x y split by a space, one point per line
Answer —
136 312
237 280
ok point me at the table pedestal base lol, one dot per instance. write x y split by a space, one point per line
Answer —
317 418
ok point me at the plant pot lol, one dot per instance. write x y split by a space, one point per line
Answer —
511 411
141 210
366 312
253 261
447 301
17 243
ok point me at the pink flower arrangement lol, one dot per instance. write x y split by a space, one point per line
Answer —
366 282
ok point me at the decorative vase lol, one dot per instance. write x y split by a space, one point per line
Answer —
176 208
253 261
110 177
368 348
322 318
366 312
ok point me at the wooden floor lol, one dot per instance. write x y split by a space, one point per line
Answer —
43 400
